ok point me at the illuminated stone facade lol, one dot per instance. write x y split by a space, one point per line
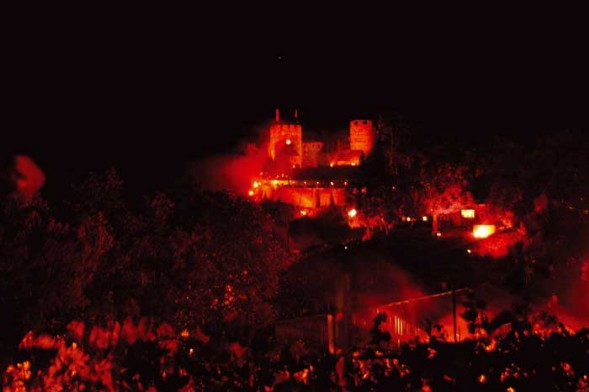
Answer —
315 186
286 144
305 197
361 136
286 140
312 154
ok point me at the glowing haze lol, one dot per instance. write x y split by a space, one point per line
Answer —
24 178
232 171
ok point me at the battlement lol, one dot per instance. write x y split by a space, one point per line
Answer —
286 144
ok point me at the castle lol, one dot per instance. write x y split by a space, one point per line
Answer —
286 143
311 174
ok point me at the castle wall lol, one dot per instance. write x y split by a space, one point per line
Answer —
312 154
306 197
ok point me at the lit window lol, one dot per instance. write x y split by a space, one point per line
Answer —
469 213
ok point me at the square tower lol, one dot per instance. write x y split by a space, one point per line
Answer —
361 136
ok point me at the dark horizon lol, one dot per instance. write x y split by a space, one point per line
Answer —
84 96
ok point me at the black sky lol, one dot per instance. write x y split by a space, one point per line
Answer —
147 91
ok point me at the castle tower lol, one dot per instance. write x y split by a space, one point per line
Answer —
361 136
286 138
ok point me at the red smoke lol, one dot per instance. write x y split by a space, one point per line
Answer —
27 177
234 172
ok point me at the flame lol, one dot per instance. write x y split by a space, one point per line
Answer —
352 213
483 231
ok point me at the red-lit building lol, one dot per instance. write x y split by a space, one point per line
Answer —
286 137
307 173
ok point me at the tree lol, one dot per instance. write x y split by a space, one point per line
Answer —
192 259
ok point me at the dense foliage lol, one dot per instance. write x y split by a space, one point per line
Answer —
524 354
190 259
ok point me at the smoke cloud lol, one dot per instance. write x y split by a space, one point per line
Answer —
23 178
232 171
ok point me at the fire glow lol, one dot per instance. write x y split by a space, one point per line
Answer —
483 231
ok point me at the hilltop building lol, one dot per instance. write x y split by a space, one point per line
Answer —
307 172
287 143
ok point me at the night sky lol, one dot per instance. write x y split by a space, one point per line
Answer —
150 91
